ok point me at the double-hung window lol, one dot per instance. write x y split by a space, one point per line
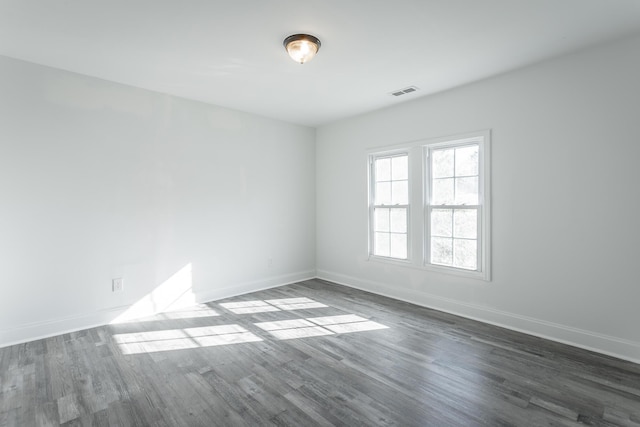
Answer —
389 205
456 210
453 235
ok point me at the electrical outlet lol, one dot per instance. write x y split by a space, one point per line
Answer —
116 285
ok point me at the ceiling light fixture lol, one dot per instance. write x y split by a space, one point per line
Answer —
302 47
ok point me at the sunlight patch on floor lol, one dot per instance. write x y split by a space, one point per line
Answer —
290 329
209 336
295 303
347 323
318 326
259 306
247 307
181 339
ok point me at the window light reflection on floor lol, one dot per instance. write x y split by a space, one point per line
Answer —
318 326
209 336
247 307
295 303
259 306
347 323
296 328
181 339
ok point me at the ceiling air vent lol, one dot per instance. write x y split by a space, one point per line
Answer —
404 91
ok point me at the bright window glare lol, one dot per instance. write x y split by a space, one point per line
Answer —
318 326
332 320
345 328
289 301
181 339
218 335
312 331
284 324
258 306
347 323
295 303
246 307
243 304
296 328
301 306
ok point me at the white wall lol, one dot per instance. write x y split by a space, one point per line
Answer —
566 201
100 180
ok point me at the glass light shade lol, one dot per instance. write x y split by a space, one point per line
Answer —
302 47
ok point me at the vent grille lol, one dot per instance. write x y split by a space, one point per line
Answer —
404 91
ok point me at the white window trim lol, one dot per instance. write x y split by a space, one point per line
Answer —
483 139
372 155
419 228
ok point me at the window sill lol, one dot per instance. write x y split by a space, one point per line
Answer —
387 260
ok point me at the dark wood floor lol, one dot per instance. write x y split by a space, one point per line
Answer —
311 354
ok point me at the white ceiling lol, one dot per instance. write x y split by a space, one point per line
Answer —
229 52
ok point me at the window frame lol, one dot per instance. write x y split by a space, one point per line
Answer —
418 225
482 139
372 157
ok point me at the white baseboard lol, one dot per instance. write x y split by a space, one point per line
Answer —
63 325
255 285
599 343
45 329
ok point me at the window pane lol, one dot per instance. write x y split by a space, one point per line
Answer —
389 224
400 167
467 191
381 219
467 161
441 222
383 193
400 193
399 220
455 205
383 169
465 223
442 191
442 163
399 246
465 254
381 244
441 250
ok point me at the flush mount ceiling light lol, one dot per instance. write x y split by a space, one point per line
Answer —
302 47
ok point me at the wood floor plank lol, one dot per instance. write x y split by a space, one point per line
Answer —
311 354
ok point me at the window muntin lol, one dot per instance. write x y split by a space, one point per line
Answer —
454 241
454 205
449 232
454 175
389 206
